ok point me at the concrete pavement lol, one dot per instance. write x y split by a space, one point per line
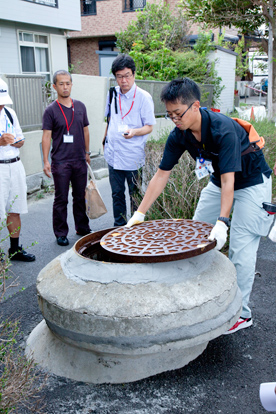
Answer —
224 379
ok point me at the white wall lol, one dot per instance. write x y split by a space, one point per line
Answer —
30 152
58 52
9 46
92 91
66 15
9 62
225 66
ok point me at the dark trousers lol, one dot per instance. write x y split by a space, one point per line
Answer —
117 180
64 173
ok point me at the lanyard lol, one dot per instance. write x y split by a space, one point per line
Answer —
68 127
131 104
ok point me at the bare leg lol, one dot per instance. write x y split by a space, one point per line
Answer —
14 224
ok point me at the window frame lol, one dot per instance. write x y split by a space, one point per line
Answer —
41 3
34 45
131 10
83 2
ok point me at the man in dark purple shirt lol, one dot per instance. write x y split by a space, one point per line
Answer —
65 122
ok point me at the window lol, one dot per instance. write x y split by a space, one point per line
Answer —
51 3
34 53
88 7
132 5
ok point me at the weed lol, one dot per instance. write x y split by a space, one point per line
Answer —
20 382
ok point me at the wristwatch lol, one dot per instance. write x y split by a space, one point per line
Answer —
88 152
225 220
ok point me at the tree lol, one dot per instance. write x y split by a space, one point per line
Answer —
157 42
246 15
154 17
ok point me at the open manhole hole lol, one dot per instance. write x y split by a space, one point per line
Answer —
149 242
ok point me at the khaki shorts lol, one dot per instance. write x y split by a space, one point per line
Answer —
13 189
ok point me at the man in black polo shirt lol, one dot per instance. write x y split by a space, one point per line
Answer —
65 125
239 183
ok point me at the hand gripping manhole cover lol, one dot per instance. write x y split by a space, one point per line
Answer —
159 241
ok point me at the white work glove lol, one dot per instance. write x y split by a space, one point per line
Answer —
219 232
272 233
137 218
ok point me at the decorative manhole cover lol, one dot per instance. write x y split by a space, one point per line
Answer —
159 240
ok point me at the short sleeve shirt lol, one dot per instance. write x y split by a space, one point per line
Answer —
222 141
8 152
121 153
53 120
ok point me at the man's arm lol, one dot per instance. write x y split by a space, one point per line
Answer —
46 145
219 231
146 129
86 143
227 193
155 188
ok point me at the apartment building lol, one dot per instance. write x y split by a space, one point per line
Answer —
32 35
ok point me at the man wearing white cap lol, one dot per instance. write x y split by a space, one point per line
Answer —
13 194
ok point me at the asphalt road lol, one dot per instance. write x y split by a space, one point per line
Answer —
224 379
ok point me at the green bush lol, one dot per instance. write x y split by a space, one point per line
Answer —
161 53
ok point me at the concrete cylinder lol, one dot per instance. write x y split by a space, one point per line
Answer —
109 322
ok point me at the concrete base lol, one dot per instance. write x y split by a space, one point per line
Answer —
78 364
121 322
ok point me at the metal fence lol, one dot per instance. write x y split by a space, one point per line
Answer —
155 88
30 98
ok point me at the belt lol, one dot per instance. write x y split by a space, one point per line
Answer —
9 161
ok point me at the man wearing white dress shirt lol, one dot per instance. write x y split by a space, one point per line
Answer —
13 188
131 120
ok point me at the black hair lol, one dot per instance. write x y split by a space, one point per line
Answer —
184 90
121 62
60 72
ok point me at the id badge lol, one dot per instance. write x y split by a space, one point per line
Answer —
203 168
68 139
122 128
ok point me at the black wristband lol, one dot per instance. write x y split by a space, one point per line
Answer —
225 220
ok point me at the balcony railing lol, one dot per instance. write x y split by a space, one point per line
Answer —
132 5
88 7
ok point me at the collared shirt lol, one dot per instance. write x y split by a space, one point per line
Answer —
222 141
8 152
53 120
121 153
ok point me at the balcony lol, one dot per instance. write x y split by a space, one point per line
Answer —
133 5
88 7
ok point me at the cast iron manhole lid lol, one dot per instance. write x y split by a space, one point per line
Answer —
159 241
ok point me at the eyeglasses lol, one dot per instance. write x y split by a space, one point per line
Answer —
127 76
178 117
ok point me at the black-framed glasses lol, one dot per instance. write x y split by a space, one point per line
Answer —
178 117
127 76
